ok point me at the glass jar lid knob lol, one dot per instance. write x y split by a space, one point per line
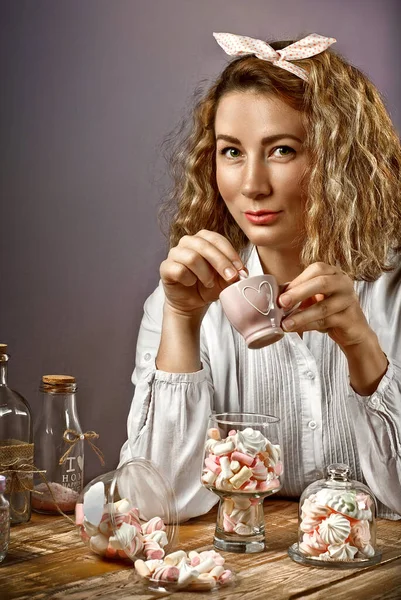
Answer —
339 472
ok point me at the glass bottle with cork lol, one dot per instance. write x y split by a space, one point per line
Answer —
59 447
16 447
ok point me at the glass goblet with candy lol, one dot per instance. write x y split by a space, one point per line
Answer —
242 464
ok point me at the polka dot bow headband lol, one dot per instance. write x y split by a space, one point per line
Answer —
239 45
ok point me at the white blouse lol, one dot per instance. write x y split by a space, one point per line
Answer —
304 381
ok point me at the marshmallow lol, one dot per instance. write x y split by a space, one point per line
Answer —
166 573
225 467
226 577
228 523
259 471
212 466
218 558
98 543
243 529
152 550
153 564
228 505
206 565
235 466
159 537
141 568
223 484
153 525
223 448
175 557
208 477
194 557
217 572
214 433
202 583
122 506
265 486
241 477
244 459
210 444
187 573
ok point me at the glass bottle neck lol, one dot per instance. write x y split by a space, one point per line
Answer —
3 373
61 405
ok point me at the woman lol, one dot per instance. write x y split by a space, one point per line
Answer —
292 167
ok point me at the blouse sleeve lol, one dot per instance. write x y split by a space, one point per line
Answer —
168 416
378 417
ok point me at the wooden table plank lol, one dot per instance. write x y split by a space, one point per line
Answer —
47 560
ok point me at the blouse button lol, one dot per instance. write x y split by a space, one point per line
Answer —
375 401
147 356
312 425
310 375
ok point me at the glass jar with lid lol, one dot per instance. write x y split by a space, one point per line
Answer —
337 523
59 447
117 510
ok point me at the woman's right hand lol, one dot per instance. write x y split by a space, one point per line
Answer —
197 270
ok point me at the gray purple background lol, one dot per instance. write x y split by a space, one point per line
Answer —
89 89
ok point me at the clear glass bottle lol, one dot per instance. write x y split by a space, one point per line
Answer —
16 447
337 523
58 422
4 520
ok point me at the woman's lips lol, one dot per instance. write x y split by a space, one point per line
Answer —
262 217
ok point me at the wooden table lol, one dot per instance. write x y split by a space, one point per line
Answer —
47 559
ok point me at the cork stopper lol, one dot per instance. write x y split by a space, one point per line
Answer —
58 384
3 353
58 379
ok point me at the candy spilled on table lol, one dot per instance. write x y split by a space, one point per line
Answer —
194 571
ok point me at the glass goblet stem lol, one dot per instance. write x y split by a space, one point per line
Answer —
240 525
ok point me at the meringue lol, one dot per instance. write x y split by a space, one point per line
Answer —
335 529
342 551
250 441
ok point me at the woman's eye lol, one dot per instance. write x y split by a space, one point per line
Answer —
231 152
283 151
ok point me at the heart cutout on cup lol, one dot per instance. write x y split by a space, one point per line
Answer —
260 299
80 461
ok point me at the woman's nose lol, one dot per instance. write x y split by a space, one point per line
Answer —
256 180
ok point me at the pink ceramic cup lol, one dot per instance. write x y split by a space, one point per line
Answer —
251 306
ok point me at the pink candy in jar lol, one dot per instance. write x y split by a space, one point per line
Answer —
242 464
245 461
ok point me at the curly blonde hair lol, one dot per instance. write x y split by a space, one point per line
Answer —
353 183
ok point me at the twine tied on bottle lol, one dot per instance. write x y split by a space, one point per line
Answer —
16 463
72 437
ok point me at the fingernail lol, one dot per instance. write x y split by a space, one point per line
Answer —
238 265
288 324
210 284
229 273
285 300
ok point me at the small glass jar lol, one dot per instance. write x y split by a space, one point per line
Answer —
59 447
337 523
116 510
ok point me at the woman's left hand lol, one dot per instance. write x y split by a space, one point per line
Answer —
328 304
